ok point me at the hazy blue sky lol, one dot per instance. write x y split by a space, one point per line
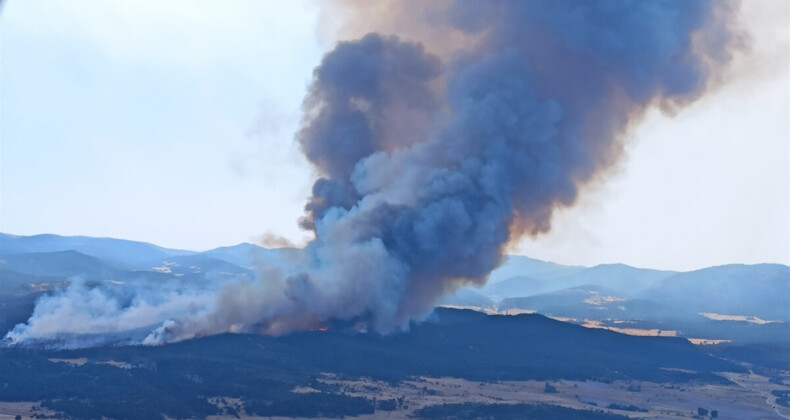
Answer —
172 122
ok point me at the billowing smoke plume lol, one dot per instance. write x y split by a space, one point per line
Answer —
431 164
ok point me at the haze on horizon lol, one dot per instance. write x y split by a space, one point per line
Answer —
174 123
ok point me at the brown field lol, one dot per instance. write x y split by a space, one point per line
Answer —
9 410
75 362
748 397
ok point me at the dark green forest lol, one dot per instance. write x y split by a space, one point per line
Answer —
177 379
471 411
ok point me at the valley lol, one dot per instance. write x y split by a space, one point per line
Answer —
602 341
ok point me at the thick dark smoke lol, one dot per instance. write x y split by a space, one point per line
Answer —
368 96
430 165
534 111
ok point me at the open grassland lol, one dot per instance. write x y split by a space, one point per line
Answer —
749 396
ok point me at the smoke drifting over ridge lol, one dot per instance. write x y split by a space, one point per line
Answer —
431 164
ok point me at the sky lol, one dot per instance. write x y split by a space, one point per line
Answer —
173 123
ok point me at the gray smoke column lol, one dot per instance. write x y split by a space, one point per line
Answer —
439 166
430 165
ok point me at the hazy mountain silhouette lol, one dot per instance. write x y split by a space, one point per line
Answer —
119 251
646 298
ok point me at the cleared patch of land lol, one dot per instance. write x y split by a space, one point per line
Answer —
25 409
588 323
748 397
74 362
707 342
758 384
739 318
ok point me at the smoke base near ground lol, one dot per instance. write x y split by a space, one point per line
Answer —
432 162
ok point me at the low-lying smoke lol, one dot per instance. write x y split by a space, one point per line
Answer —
431 164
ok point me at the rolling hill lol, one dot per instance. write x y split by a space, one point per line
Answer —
734 302
175 380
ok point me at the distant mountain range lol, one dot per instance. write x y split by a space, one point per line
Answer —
732 302
744 304
118 251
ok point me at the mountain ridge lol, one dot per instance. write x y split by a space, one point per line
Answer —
732 301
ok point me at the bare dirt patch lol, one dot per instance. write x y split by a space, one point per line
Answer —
749 398
25 409
74 362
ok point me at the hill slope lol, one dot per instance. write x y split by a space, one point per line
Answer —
175 379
